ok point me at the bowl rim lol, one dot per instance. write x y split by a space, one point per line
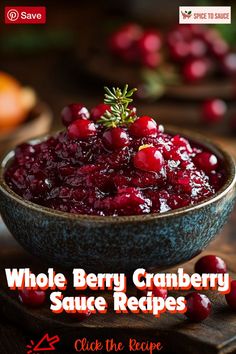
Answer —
194 137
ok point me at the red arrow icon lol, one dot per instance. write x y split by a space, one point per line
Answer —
45 344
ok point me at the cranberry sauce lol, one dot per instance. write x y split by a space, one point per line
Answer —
91 169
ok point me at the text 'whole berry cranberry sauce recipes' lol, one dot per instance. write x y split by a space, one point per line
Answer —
110 161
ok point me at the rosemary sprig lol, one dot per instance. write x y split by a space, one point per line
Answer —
120 114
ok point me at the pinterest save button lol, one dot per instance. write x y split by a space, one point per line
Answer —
25 15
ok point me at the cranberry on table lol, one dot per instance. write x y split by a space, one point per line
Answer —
151 59
179 50
194 70
198 307
115 138
219 48
149 42
81 129
231 296
197 48
213 110
143 126
210 264
149 159
98 111
229 63
33 298
73 112
206 161
124 38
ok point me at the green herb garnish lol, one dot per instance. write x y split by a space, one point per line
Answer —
120 114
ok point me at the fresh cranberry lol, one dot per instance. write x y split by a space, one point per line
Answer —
149 159
211 36
133 110
219 48
206 161
143 126
195 70
156 291
81 129
198 48
149 42
33 298
173 37
231 296
98 111
73 112
198 307
229 64
124 38
179 50
210 264
151 59
115 138
213 110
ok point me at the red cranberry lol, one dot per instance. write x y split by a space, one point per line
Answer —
98 111
179 50
149 159
219 48
198 307
81 129
195 70
210 264
115 138
229 63
124 38
173 37
211 36
206 161
156 291
149 42
197 48
73 112
179 141
33 298
143 126
213 110
151 60
231 296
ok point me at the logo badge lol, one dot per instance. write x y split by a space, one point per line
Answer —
204 14
25 15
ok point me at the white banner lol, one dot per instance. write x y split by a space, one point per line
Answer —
204 14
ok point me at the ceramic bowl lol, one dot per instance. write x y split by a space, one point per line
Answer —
122 243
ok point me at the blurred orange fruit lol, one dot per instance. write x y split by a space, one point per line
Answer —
12 110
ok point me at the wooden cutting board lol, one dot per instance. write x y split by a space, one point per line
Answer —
217 334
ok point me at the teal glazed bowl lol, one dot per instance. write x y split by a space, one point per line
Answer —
122 243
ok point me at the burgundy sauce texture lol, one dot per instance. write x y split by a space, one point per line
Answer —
120 172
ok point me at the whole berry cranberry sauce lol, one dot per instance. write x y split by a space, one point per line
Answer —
128 170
